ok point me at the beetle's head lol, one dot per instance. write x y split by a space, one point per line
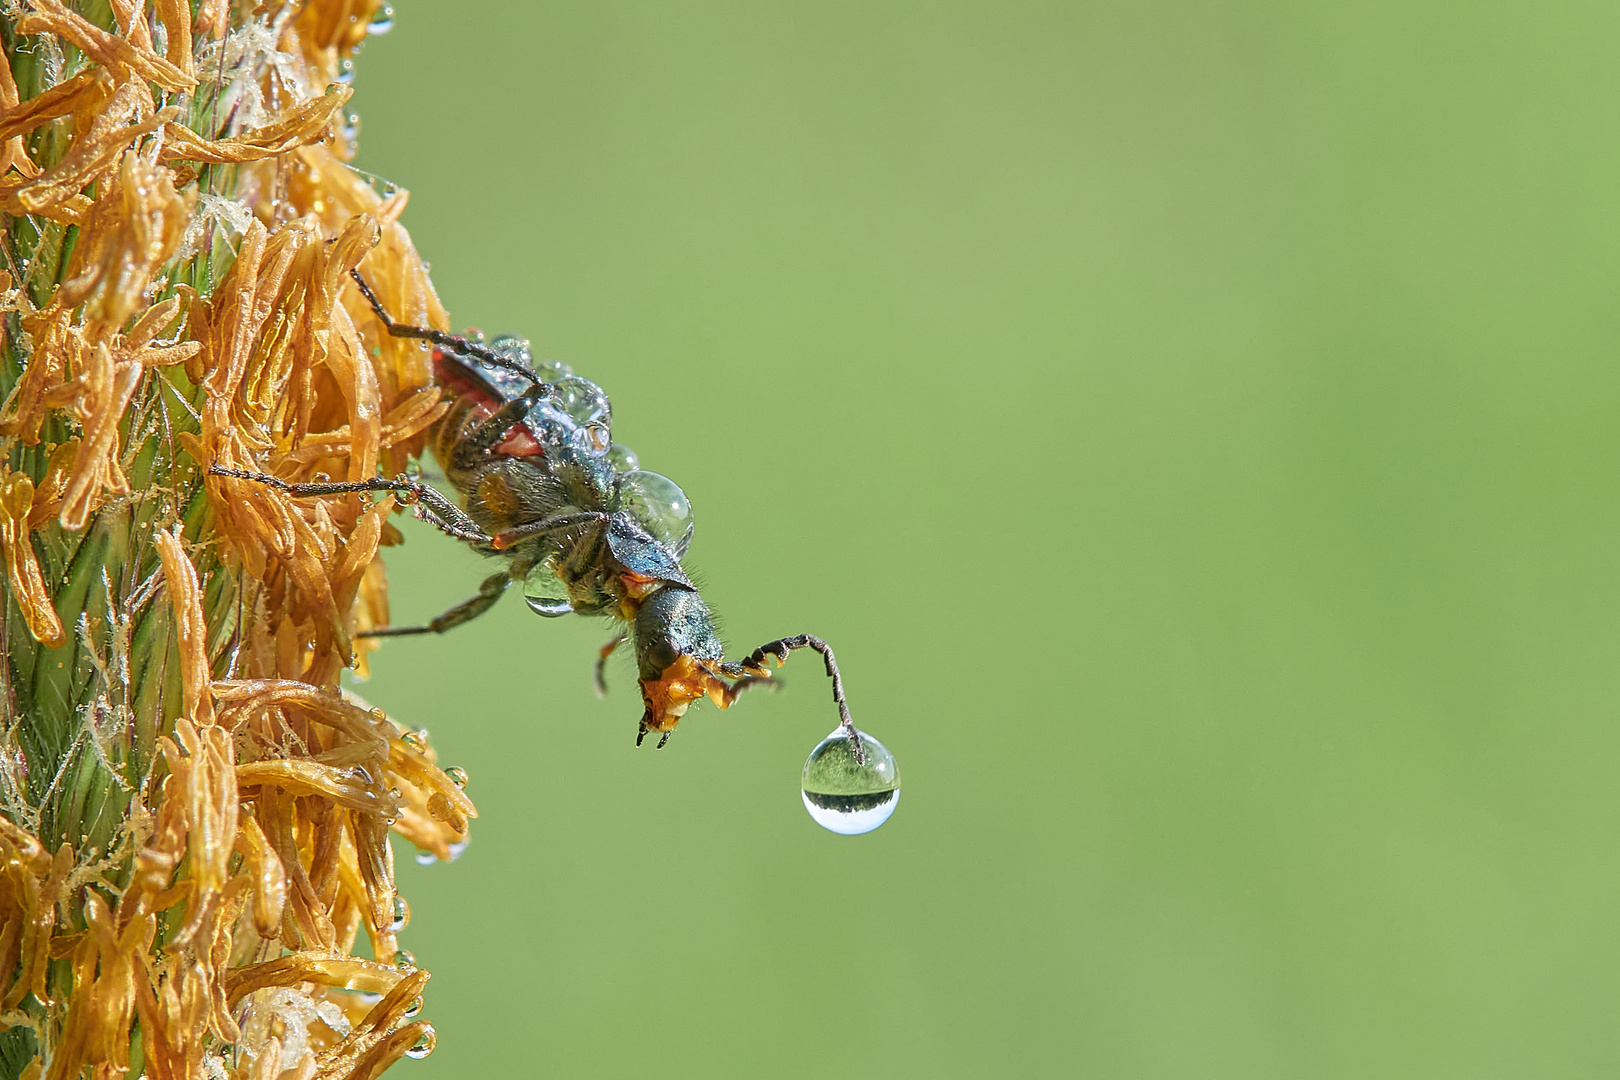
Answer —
677 650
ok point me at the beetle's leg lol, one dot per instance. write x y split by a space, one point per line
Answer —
507 537
425 501
725 695
601 663
474 445
449 341
466 611
752 666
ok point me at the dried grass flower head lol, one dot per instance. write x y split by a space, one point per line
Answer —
194 817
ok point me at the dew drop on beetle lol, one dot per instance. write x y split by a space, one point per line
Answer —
659 505
845 796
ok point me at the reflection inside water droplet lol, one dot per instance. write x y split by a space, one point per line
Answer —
402 915
845 796
424 1045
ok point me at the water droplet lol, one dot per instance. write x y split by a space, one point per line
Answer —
403 960
402 915
457 848
622 458
472 333
552 370
377 713
582 400
414 741
661 507
545 593
413 471
424 1045
345 74
381 22
414 1007
457 775
425 858
845 796
513 348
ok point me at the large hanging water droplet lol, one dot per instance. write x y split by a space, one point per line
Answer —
622 458
659 505
845 796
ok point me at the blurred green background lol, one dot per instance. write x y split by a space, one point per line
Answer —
1194 424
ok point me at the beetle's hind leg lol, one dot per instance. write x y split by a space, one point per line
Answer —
454 342
426 502
602 659
493 588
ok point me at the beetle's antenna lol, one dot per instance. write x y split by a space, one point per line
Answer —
752 667
439 337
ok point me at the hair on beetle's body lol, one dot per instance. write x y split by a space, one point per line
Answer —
534 463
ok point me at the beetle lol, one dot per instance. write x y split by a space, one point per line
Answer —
529 451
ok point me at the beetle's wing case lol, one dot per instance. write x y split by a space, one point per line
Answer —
637 551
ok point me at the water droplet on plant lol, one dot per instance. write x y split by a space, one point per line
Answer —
661 507
402 915
414 1007
414 741
345 74
457 775
424 1045
381 22
622 458
413 471
376 711
457 848
425 858
845 796
403 960
472 333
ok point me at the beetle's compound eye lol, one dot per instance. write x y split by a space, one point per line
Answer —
661 653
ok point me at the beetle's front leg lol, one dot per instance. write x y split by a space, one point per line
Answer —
473 446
